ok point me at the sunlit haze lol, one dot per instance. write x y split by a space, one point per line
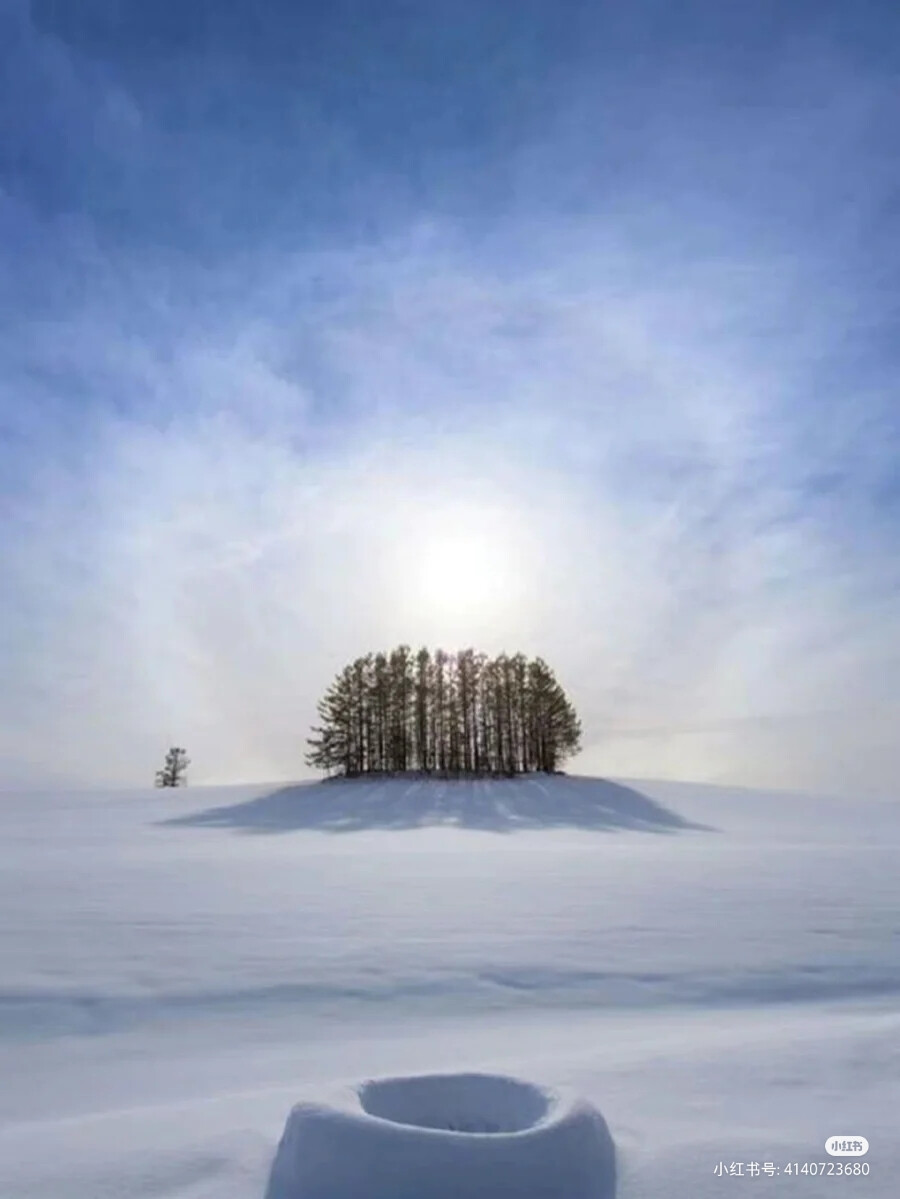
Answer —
567 328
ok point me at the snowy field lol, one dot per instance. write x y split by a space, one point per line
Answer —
717 970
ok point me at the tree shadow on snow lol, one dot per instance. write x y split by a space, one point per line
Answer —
493 805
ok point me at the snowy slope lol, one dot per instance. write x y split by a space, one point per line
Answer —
717 970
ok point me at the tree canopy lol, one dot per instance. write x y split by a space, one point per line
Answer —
453 714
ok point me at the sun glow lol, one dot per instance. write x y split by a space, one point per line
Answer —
466 568
462 575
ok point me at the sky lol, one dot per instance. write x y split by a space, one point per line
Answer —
566 327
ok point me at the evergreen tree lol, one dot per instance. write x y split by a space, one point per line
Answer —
401 686
422 753
174 773
440 709
331 746
381 704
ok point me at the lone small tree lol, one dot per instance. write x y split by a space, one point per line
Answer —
174 773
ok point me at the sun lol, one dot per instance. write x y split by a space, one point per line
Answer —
461 574
464 568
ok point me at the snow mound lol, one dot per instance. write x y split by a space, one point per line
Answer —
445 1136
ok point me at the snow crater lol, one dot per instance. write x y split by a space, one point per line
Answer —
445 1136
482 1103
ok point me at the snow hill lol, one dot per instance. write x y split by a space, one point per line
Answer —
716 971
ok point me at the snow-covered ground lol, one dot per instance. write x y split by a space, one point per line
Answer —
717 971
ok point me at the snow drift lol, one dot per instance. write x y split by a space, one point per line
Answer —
445 1136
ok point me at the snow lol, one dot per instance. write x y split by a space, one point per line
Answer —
715 970
442 1136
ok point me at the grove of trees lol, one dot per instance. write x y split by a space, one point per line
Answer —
448 714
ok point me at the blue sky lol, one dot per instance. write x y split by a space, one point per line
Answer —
306 307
